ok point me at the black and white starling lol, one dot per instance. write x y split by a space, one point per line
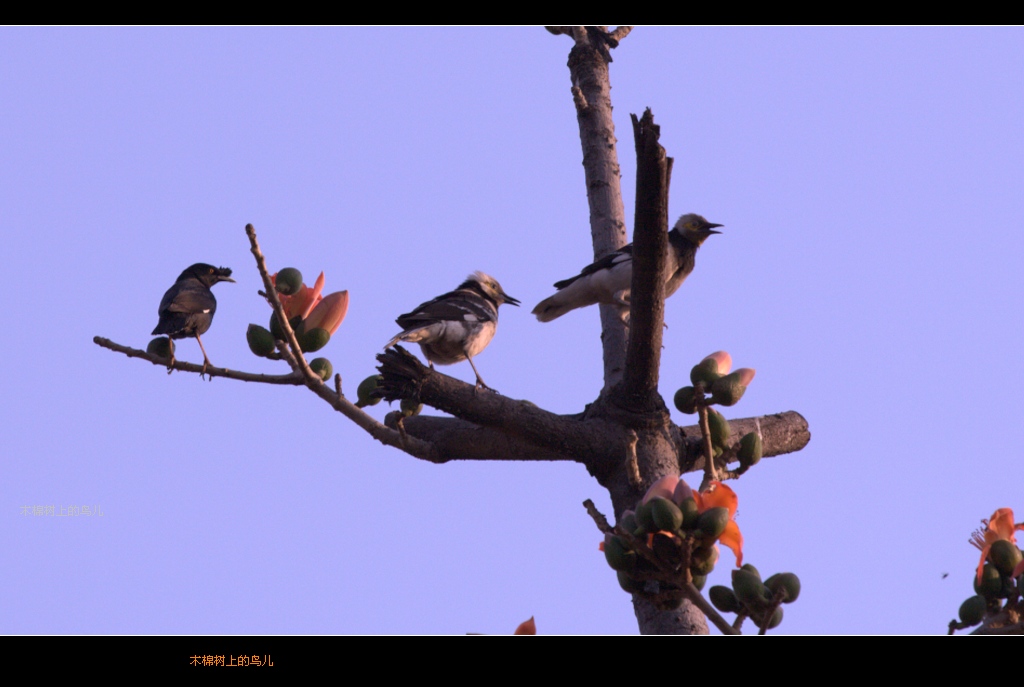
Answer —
187 308
609 279
457 325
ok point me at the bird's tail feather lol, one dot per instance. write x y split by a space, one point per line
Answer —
409 335
551 309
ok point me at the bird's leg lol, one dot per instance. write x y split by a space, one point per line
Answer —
479 380
206 360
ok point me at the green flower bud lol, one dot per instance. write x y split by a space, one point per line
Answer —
644 517
724 599
690 513
288 281
750 450
787 581
410 407
618 555
666 515
748 588
314 340
322 367
686 400
364 393
1004 555
703 559
972 611
705 371
728 390
991 582
161 346
712 522
261 341
720 430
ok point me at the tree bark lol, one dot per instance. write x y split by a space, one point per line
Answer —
591 90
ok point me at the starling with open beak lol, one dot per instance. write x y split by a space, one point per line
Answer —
609 279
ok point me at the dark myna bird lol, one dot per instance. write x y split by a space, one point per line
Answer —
609 279
187 308
457 325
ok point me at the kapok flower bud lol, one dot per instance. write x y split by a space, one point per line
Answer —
728 390
664 488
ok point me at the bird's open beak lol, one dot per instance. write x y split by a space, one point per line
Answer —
508 299
711 227
234 282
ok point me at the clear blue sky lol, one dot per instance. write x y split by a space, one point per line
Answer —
870 184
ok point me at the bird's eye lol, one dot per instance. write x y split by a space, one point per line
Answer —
211 270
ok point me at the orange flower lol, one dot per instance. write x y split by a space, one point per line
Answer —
328 312
999 526
720 496
315 310
301 303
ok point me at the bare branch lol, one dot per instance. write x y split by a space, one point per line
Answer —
591 89
781 433
290 379
639 390
591 441
454 439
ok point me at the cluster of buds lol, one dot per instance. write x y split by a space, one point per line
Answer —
313 317
999 579
759 601
671 538
711 376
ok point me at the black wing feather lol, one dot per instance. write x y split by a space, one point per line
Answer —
603 264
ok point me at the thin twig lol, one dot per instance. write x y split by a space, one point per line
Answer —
698 600
598 517
710 473
777 599
290 379
414 447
